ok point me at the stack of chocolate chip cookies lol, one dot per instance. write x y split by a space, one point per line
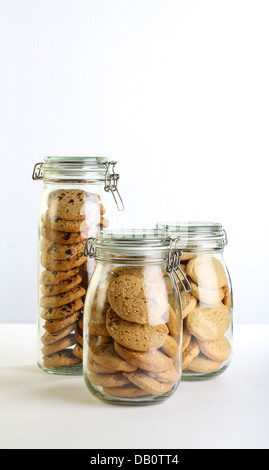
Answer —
72 215
206 313
133 335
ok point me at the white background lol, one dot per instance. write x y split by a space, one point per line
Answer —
175 90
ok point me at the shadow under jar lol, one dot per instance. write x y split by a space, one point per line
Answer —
207 310
132 333
74 206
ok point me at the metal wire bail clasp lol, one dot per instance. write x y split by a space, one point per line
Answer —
111 184
89 248
37 171
173 265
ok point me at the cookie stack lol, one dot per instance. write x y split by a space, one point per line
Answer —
206 313
133 340
72 215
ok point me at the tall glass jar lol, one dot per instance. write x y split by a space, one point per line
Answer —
208 307
75 205
132 332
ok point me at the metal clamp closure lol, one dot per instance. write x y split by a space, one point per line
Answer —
173 265
89 248
111 184
37 171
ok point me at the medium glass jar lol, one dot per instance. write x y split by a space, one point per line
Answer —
75 205
207 310
132 333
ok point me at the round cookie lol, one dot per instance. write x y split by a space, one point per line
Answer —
98 328
50 278
108 380
218 350
61 359
152 361
186 337
210 297
49 338
72 204
188 303
62 286
63 343
93 366
106 356
61 252
202 364
189 354
62 299
172 323
147 383
59 313
208 324
136 301
170 375
227 300
134 335
78 351
127 391
207 272
52 264
63 238
79 335
53 222
53 326
170 346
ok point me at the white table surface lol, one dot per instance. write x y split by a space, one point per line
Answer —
40 410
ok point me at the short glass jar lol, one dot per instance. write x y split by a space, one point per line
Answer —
132 334
207 310
75 204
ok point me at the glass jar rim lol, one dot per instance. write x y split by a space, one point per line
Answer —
132 244
192 233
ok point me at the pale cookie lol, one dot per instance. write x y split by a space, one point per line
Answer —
61 252
149 384
105 355
49 338
63 238
61 287
210 297
53 326
134 335
59 313
208 324
203 365
72 204
62 299
170 375
173 323
134 300
78 351
93 366
189 354
218 350
188 303
108 380
62 265
227 300
127 391
186 337
54 277
207 272
61 359
152 361
59 345
170 346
